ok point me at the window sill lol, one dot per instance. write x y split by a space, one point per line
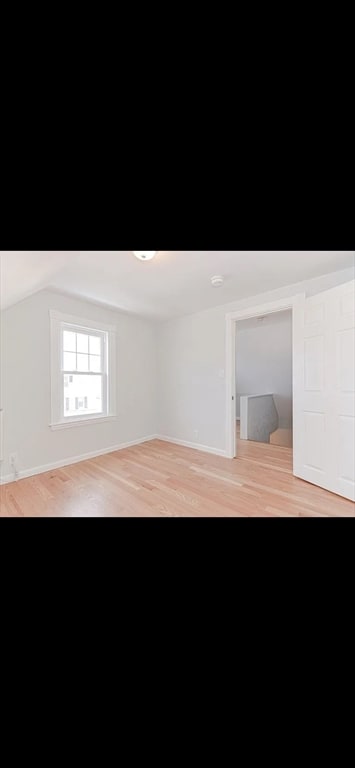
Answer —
82 422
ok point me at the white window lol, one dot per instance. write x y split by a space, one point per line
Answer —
83 371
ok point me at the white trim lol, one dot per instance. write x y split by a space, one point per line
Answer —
112 449
74 460
90 325
112 373
79 422
265 309
109 372
195 446
293 303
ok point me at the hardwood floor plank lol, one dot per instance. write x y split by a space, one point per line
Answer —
159 479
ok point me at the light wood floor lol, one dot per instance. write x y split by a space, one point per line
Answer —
158 479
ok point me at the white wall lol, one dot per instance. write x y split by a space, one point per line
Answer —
186 401
264 361
191 358
25 378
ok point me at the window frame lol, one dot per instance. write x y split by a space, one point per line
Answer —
100 334
59 323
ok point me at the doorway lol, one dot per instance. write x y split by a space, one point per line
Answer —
291 305
323 381
264 379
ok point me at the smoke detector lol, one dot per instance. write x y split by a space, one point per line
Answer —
217 281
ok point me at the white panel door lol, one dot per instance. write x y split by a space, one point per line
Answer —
324 405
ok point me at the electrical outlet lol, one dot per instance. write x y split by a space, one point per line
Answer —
13 464
196 433
13 460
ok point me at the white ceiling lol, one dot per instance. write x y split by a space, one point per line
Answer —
173 283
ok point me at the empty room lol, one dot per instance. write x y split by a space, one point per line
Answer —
177 384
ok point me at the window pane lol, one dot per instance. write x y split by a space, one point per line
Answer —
83 363
69 341
95 345
95 363
82 342
83 396
69 361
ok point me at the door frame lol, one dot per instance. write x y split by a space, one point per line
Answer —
296 304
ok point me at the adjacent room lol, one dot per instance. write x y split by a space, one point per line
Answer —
264 379
177 384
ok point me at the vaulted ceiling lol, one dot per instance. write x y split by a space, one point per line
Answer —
173 283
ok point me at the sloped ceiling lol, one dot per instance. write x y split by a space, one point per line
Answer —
173 283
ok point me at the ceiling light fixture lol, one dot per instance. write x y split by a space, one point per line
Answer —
144 255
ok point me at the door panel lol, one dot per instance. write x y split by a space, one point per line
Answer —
314 431
324 412
343 339
345 361
314 364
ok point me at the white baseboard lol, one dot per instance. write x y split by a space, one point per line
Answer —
195 446
84 456
73 460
